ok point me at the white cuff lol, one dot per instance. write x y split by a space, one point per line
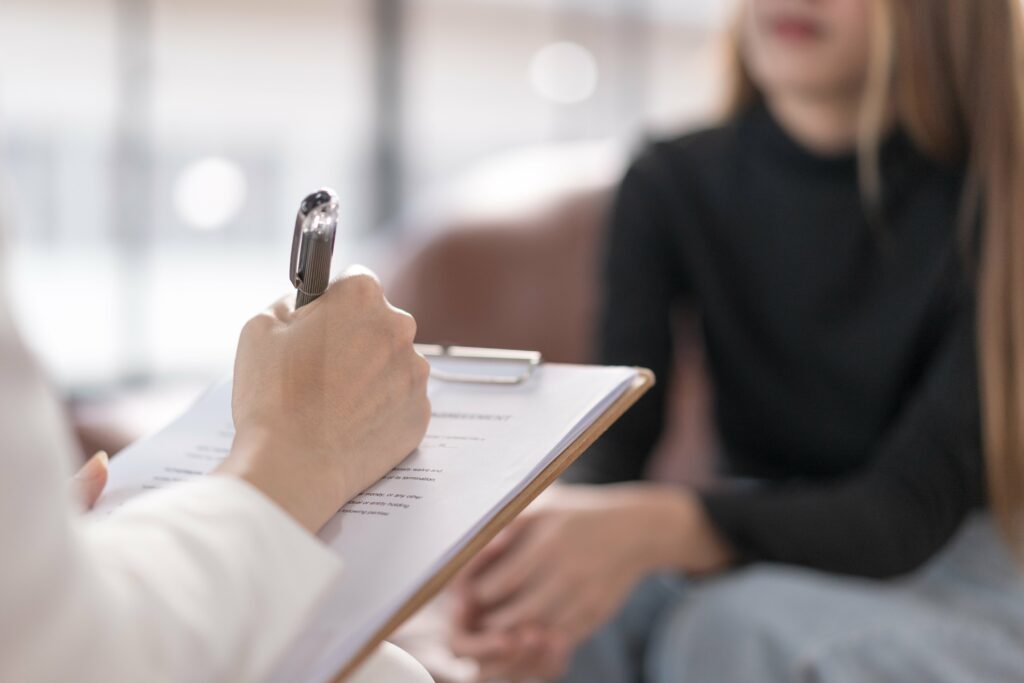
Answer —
227 563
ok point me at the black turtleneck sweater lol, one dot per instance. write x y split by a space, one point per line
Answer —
841 349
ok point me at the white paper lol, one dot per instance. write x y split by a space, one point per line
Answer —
485 443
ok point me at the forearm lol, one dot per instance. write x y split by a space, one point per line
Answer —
673 531
864 526
281 479
915 487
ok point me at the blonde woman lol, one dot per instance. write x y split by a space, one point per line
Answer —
853 235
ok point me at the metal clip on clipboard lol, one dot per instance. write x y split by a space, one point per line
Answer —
472 365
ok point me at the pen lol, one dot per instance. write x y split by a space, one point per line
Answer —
313 245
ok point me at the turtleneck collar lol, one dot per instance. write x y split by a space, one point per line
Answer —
773 139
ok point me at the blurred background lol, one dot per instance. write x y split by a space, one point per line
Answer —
154 151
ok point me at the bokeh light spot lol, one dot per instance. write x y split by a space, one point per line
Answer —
209 193
564 72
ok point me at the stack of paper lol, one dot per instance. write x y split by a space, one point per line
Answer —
485 444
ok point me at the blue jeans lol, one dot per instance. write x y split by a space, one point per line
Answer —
959 618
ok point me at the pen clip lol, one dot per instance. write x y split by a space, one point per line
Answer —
293 275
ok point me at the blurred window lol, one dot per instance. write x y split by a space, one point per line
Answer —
154 150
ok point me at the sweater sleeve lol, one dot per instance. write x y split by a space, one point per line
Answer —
639 284
901 507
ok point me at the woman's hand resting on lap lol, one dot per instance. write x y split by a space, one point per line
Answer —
326 399
566 565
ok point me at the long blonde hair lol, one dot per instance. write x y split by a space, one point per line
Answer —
951 72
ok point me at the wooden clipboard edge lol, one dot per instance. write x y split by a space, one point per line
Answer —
644 381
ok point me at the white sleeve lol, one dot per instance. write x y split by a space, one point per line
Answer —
205 581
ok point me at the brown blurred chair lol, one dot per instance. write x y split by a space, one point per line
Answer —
530 280
510 283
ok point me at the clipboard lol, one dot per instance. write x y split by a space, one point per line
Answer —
529 359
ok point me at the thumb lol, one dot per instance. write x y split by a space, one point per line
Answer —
88 482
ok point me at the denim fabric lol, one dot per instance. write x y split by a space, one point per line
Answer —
960 618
